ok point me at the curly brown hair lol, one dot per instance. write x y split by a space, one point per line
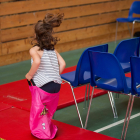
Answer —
44 31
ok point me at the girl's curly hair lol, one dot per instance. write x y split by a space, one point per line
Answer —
44 31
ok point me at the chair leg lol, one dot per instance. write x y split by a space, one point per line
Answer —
76 106
129 29
112 102
132 29
116 34
85 97
89 108
88 95
130 106
117 96
127 111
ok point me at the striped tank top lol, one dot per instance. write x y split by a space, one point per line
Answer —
48 70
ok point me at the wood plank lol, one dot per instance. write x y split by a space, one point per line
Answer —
0 50
91 32
14 58
6 0
92 20
0 39
21 56
15 46
91 41
136 15
28 31
31 18
17 33
34 5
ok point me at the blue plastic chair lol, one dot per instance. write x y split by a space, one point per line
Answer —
112 78
135 89
81 75
125 50
134 9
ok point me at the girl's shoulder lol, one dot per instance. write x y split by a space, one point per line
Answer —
36 48
33 50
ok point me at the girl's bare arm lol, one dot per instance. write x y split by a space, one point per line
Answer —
61 62
36 62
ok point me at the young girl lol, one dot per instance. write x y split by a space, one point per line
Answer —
47 65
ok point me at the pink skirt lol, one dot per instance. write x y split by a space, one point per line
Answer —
43 107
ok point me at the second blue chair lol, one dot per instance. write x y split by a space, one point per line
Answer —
81 75
112 78
135 89
125 50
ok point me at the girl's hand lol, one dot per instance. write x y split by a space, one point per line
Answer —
28 76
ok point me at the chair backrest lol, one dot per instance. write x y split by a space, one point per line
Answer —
126 49
106 66
135 74
83 65
135 8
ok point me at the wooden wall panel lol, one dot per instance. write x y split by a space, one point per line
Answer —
33 5
17 33
16 46
24 55
6 0
90 32
14 58
86 23
31 18
21 45
91 41
28 31
0 50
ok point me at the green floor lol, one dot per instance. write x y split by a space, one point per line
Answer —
100 115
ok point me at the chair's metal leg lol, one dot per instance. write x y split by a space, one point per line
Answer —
88 95
129 117
85 97
76 105
128 106
89 108
132 29
116 34
129 29
112 102
117 96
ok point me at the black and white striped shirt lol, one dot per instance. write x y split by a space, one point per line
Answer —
48 70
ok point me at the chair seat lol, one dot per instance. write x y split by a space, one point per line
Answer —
70 76
111 84
127 19
126 67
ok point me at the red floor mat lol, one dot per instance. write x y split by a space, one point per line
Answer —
128 74
14 125
4 106
18 94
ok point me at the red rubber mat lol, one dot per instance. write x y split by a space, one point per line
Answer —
4 106
128 74
14 125
17 94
